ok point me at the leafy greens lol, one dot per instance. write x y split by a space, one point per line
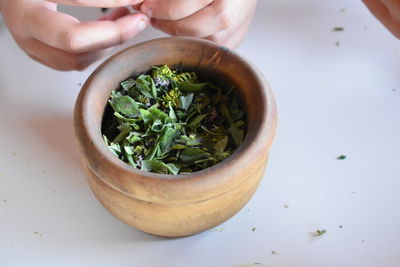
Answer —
170 122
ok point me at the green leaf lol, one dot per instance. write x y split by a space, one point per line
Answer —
114 148
125 129
119 116
129 151
195 122
159 167
115 93
185 101
193 154
157 126
143 83
153 152
125 105
191 87
191 140
153 89
133 137
236 112
318 233
146 116
172 114
181 115
221 144
163 71
225 112
167 140
178 147
173 168
127 85
236 134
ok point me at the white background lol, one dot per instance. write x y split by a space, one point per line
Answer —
332 100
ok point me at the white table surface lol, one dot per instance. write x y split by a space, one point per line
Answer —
332 100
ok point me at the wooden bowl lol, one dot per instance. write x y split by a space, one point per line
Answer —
181 205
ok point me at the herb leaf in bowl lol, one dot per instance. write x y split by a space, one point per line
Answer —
170 122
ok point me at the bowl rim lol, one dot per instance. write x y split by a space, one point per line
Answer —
89 138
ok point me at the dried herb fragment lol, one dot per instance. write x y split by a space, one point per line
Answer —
338 29
341 157
170 122
319 233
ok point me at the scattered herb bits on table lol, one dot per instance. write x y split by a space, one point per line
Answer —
170 122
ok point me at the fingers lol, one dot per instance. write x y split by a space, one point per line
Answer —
67 33
115 14
59 59
97 3
377 8
136 7
172 9
384 15
231 38
393 7
221 15
63 42
205 22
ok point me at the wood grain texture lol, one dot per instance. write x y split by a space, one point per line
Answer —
181 205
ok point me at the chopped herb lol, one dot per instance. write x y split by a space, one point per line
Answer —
337 43
253 229
341 157
286 206
274 252
319 233
338 29
342 10
170 122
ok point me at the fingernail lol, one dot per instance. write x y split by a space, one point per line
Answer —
141 25
147 11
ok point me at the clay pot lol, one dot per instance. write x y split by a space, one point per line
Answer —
181 205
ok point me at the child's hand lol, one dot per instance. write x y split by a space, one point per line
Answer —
222 21
63 42
388 12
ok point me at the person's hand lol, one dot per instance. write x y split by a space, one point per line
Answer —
388 12
61 41
222 21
